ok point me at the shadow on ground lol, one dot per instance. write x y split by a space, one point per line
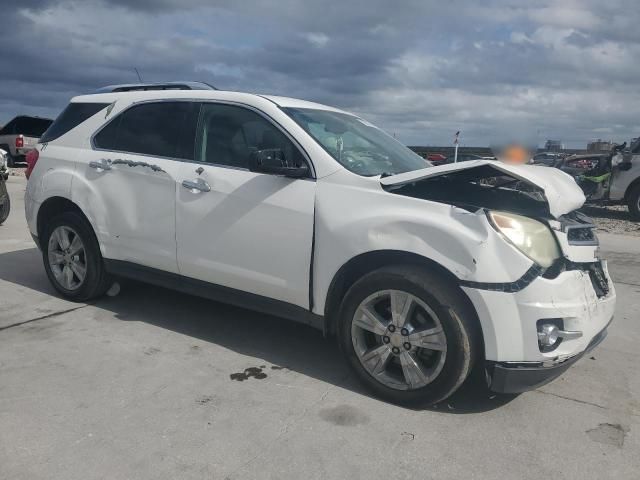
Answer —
266 338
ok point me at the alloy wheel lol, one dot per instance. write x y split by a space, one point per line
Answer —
399 339
67 258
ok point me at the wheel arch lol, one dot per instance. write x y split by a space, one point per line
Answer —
367 262
53 206
630 187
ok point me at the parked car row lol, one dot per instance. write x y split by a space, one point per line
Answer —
440 159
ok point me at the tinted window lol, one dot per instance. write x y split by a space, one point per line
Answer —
230 134
71 117
164 129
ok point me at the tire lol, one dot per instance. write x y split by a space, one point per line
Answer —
633 202
435 300
5 202
95 281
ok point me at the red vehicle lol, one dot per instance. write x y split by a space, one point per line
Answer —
436 158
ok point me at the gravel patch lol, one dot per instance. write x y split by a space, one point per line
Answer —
613 219
17 172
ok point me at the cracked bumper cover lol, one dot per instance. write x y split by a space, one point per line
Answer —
509 326
512 377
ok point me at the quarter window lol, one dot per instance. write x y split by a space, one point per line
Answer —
71 117
229 135
163 129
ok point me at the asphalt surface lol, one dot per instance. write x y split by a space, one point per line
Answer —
153 384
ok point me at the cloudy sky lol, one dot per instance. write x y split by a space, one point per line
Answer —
421 69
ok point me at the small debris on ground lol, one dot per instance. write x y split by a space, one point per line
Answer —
613 219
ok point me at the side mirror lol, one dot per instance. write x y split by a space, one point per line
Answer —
273 161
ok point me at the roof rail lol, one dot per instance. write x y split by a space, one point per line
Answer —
133 87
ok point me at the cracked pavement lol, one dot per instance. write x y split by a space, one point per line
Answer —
141 386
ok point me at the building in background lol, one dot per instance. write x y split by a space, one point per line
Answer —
600 146
553 146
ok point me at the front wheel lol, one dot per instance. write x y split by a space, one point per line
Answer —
409 334
72 258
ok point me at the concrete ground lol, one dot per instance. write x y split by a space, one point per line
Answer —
140 387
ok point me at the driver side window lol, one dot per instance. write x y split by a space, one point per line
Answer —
229 134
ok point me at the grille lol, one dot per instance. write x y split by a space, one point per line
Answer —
581 236
579 228
598 279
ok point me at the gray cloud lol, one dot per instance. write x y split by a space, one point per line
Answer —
421 69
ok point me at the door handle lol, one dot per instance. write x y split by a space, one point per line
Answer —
101 166
196 186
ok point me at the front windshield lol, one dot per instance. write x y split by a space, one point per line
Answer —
356 144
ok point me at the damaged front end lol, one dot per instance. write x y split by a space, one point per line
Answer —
539 192
543 194
557 302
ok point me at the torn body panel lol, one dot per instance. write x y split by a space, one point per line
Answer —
531 190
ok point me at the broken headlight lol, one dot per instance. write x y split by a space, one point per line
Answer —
531 237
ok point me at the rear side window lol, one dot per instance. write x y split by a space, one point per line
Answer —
163 129
71 117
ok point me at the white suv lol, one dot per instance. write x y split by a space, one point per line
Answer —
305 211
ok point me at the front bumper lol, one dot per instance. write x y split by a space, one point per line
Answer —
512 377
509 320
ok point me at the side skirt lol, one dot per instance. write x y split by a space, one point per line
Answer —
211 291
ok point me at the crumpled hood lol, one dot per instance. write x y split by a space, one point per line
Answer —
562 193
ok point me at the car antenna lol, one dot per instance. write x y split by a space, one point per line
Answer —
138 73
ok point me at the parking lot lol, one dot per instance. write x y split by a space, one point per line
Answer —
157 384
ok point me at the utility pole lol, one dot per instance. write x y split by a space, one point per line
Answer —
455 142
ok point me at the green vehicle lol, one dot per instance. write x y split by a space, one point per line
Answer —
608 179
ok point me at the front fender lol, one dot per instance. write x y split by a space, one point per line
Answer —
351 221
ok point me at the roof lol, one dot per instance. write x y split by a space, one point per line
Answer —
130 87
142 92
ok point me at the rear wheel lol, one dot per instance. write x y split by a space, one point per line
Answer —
633 202
72 258
409 334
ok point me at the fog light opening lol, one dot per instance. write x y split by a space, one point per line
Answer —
549 334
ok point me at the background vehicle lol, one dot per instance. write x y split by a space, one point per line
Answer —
436 158
21 135
579 164
547 158
608 179
308 212
463 157
4 164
